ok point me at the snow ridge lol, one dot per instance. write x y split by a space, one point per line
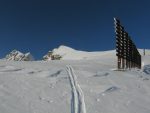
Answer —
77 102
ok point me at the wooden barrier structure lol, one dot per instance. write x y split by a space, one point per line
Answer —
126 51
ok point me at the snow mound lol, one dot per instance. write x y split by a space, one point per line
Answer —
63 49
18 56
67 53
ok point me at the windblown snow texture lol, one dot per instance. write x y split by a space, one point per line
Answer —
89 84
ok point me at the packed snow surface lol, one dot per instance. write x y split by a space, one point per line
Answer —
74 86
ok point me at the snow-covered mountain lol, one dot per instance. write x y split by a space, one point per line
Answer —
18 56
67 53
88 85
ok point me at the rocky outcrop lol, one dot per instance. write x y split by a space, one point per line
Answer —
18 56
51 56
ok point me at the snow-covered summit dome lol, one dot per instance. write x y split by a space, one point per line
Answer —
67 53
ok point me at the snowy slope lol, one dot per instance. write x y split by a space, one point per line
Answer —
68 53
74 86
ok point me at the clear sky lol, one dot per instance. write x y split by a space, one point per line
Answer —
41 25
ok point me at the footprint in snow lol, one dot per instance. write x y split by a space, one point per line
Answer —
31 72
9 69
55 74
13 70
101 74
48 73
110 90
145 79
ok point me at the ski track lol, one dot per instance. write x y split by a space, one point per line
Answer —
77 101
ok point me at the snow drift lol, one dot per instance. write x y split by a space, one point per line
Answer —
88 85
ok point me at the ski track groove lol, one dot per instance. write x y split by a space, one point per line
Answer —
77 101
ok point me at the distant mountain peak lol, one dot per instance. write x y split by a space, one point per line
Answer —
16 55
67 53
63 48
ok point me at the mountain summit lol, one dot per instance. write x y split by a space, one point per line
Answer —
67 53
19 56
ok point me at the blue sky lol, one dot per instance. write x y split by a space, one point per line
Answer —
41 25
